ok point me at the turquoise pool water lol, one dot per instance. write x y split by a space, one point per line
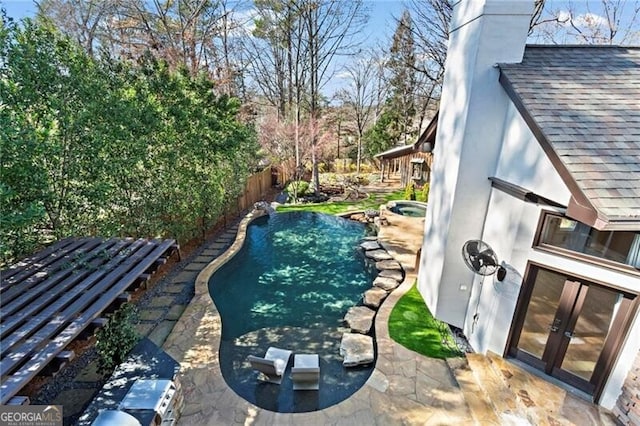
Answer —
290 286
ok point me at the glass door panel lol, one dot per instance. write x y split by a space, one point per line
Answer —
587 339
541 312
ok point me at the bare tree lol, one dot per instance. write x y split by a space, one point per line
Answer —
359 97
331 27
430 32
589 22
83 20
194 34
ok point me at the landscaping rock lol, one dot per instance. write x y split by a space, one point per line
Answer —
388 264
386 283
391 273
370 245
378 255
356 349
373 297
360 319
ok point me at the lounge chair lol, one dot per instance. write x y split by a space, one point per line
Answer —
272 366
305 372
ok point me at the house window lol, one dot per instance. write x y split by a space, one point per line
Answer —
617 246
417 171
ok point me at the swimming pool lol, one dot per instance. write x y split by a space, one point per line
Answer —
290 286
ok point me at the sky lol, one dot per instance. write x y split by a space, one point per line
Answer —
381 12
381 25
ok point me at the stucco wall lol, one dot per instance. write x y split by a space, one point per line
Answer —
470 133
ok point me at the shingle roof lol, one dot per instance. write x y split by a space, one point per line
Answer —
583 105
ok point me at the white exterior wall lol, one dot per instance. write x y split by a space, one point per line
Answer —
481 134
510 230
470 132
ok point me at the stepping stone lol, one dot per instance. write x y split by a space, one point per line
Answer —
356 349
360 319
391 273
175 312
195 267
378 255
174 288
370 245
386 283
203 259
388 264
161 332
162 301
211 252
185 277
217 245
373 297
150 314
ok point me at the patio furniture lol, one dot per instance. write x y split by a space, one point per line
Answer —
272 365
305 372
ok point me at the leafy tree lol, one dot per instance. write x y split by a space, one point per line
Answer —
157 153
381 137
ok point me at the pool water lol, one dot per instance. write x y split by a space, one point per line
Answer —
290 286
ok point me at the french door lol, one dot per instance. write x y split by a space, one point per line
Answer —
569 328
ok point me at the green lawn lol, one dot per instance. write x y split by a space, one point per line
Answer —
412 325
336 207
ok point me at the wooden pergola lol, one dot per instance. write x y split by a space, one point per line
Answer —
60 294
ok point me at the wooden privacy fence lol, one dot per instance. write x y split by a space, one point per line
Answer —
258 184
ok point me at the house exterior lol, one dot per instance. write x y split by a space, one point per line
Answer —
538 154
412 162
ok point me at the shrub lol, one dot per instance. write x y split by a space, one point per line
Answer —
410 191
117 338
423 195
297 189
366 168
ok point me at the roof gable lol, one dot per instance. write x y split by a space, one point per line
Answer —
583 105
427 136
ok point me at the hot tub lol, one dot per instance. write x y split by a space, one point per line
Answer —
408 208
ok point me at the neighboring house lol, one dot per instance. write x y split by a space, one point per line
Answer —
538 155
412 162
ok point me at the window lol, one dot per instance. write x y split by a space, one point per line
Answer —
618 246
417 171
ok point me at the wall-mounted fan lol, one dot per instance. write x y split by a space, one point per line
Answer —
481 259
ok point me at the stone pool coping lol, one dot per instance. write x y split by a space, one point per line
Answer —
404 388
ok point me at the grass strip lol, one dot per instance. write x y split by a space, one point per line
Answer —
336 207
412 325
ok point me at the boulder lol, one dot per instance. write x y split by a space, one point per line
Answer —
386 283
356 349
391 273
388 264
370 245
373 297
360 319
378 255
359 217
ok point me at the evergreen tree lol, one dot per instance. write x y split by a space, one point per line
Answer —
402 82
